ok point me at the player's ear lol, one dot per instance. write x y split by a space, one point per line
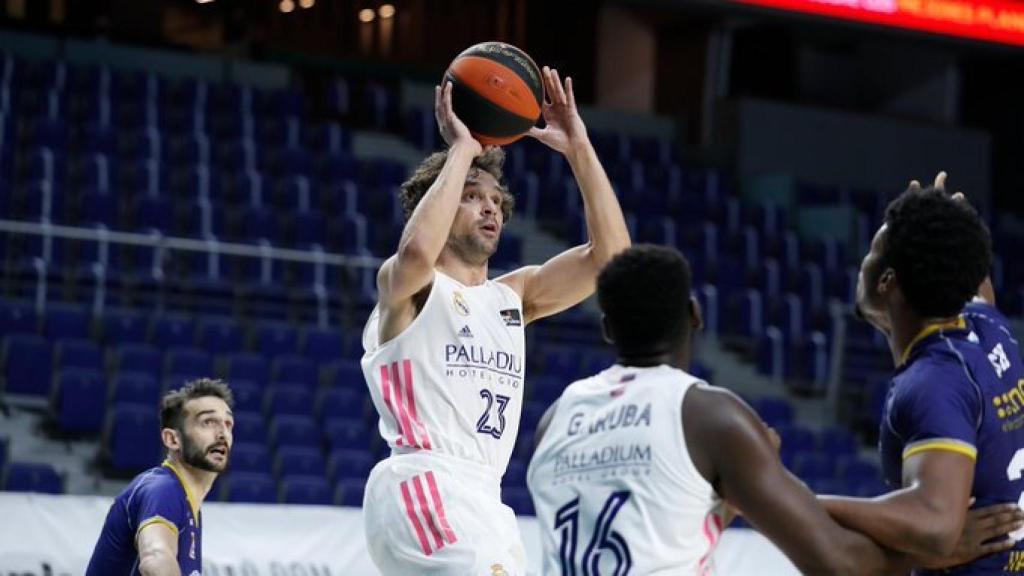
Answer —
170 438
606 330
696 315
886 281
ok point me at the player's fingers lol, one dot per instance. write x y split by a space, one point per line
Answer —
959 196
448 100
940 180
914 185
996 547
535 132
1000 526
569 92
559 90
545 72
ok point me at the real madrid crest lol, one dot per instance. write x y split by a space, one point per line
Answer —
461 306
498 570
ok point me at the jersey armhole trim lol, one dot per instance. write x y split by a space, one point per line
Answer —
946 444
152 521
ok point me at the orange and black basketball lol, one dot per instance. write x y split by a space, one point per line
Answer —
497 91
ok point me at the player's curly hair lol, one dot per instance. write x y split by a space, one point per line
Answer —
491 161
939 248
644 293
172 405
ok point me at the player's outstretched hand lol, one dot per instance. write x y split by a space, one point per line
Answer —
453 130
985 532
563 127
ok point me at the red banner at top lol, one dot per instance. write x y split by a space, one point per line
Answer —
999 21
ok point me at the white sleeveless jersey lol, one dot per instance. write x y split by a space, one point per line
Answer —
452 381
613 484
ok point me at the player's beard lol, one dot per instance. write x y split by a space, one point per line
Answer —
198 456
472 249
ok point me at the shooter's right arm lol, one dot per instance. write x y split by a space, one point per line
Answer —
411 268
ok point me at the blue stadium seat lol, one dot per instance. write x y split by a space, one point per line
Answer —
309 228
299 460
25 477
796 438
218 335
248 457
17 317
294 430
250 427
124 326
188 362
248 395
134 388
248 366
775 411
293 369
67 321
349 492
275 338
141 358
173 331
853 468
344 433
289 399
28 365
837 441
78 401
77 353
4 451
814 465
341 403
323 345
305 490
346 374
131 438
249 487
350 464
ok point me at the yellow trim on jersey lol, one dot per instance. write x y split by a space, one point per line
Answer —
156 520
958 324
192 502
947 444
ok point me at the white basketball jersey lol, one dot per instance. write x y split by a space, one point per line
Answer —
613 484
452 381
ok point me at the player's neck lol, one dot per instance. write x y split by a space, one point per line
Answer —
462 271
199 481
907 325
679 358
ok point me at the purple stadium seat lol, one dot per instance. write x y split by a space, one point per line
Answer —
218 335
347 374
134 388
300 460
28 365
294 430
349 492
78 353
78 401
173 330
188 362
250 427
25 477
342 403
131 439
344 433
124 326
17 317
293 369
246 457
350 464
248 395
141 358
249 487
305 490
275 338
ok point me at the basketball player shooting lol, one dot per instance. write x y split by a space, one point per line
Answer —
445 345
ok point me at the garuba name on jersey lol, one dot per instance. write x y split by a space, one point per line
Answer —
452 381
613 484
